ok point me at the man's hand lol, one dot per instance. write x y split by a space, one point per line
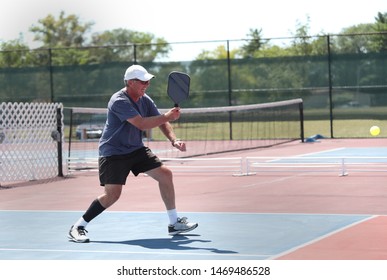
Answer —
173 114
180 145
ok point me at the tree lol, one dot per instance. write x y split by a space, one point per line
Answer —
355 40
65 35
381 22
68 38
66 31
381 27
302 42
219 52
14 54
254 45
124 44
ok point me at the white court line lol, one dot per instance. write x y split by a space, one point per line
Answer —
200 213
322 237
130 252
218 255
309 154
262 182
325 151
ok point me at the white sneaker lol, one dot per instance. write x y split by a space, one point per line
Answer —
181 226
78 234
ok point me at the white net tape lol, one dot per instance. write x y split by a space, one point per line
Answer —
29 141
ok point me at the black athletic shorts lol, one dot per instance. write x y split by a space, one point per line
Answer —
115 169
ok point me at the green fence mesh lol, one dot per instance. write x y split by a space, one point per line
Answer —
344 92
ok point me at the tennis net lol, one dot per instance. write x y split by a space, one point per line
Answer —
206 131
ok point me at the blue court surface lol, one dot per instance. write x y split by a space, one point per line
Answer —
42 235
351 155
369 154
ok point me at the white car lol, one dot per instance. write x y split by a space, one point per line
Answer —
90 130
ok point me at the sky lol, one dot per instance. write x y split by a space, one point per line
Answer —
195 20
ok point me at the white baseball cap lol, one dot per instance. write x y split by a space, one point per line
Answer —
137 72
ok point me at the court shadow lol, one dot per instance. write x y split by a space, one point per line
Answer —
178 242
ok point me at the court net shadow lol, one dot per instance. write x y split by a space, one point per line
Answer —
178 243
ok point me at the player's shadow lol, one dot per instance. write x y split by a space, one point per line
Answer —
177 242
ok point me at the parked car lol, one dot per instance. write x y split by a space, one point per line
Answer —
92 129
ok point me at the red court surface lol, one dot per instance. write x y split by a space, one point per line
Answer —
296 192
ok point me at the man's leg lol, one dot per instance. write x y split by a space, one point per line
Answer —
111 194
164 177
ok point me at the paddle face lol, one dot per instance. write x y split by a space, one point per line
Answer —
178 87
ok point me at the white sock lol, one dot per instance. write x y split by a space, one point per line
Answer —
80 222
172 214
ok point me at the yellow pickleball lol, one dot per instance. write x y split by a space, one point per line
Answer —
375 130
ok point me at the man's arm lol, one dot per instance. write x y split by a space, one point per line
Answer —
144 123
167 130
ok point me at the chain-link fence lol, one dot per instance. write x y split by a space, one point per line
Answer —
342 79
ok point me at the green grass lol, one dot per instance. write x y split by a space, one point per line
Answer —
220 131
345 128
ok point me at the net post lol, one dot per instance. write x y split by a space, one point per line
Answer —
59 142
343 168
301 109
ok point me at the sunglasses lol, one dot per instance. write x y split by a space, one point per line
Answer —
141 82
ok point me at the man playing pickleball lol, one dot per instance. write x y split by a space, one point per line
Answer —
121 151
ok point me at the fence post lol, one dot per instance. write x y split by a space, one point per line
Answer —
135 53
330 84
229 87
51 75
59 142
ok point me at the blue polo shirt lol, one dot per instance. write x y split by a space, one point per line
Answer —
119 136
